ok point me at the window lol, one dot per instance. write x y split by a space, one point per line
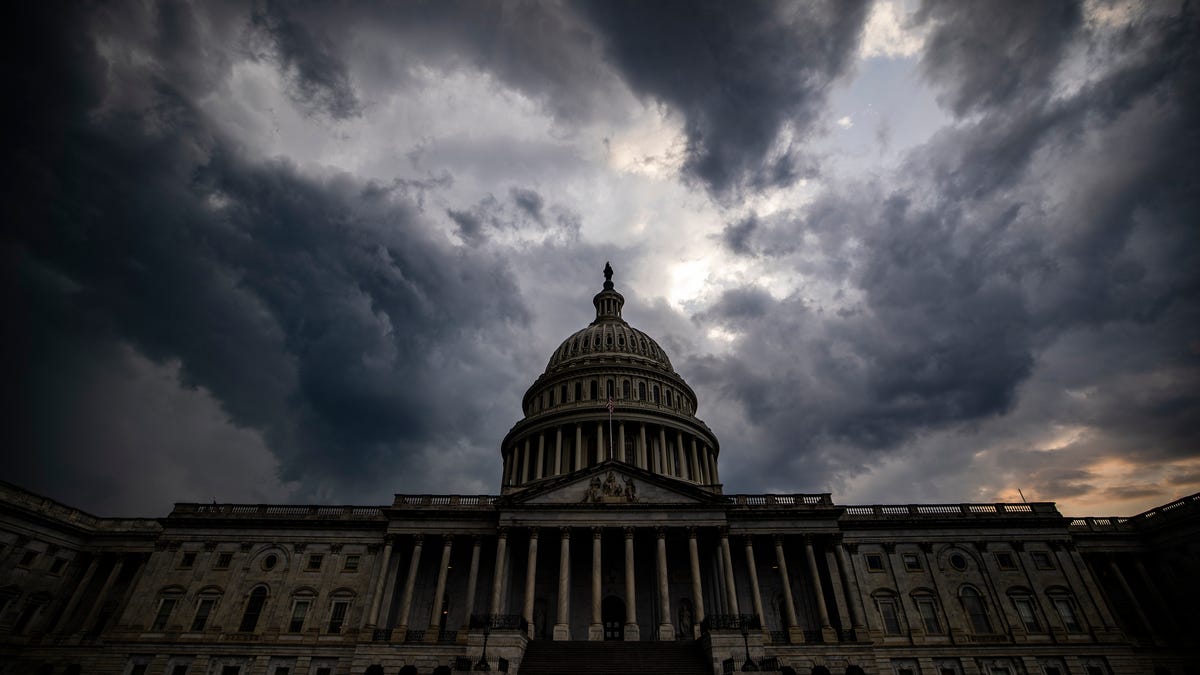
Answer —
254 607
351 563
314 561
890 615
28 558
270 561
976 612
188 560
641 391
595 389
57 566
958 561
625 389
578 391
1005 561
204 610
223 561
929 616
231 670
1042 561
874 562
337 615
179 669
1066 611
282 670
324 671
299 612
562 394
912 562
165 607
1028 614
656 399
669 398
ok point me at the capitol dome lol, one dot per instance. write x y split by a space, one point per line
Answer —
568 426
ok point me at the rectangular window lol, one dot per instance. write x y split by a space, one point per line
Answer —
338 616
165 607
351 563
874 562
28 558
1028 615
188 560
203 611
1005 561
1042 561
299 612
1067 612
891 618
223 561
314 561
912 562
57 566
929 616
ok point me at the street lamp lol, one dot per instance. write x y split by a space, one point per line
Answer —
748 666
483 664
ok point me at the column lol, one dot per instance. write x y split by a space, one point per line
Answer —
541 456
558 467
754 593
1137 606
435 614
409 584
663 463
795 632
562 626
641 449
666 630
596 629
818 590
621 442
632 632
104 590
530 579
1153 588
77 595
373 616
498 575
578 447
1089 588
697 469
525 463
727 563
697 590
472 577
682 453
708 467
716 471
855 596
601 448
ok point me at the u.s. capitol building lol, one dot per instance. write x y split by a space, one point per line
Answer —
610 548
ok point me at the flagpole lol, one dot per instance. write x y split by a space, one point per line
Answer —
610 436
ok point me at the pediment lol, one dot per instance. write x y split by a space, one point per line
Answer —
613 483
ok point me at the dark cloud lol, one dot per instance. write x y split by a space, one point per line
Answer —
528 201
318 79
739 74
988 54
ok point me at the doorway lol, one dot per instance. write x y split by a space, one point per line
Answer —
612 614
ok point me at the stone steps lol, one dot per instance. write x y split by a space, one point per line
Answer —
614 658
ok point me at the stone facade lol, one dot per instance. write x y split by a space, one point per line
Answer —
611 524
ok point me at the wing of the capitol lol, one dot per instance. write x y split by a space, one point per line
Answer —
610 548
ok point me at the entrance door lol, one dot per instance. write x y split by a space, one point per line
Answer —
612 613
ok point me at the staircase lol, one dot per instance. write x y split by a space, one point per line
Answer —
544 657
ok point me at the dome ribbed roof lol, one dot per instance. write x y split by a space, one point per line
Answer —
608 338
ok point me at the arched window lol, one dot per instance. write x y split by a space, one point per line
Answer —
641 391
625 389
254 608
562 394
168 600
1064 604
889 612
578 391
339 610
302 602
926 605
206 604
976 611
669 404
656 398
595 390
1022 600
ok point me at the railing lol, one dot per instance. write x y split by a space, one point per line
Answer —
775 501
444 501
462 664
729 622
889 511
769 664
276 511
381 635
847 635
448 636
414 636
728 667
1108 524
813 636
499 622
779 636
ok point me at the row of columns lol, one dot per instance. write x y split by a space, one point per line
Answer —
665 629
528 459
90 620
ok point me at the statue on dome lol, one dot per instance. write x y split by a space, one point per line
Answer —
607 272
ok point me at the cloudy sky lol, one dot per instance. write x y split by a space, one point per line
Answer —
295 252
